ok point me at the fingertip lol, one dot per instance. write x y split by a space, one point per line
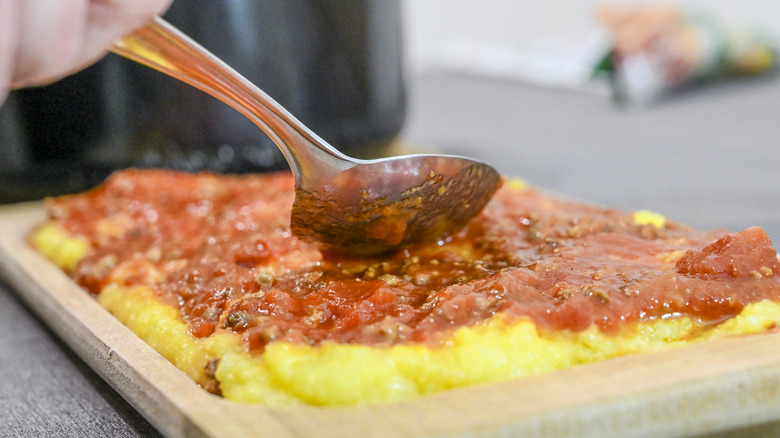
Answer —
8 37
50 35
51 39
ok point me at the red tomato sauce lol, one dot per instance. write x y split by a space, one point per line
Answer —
219 248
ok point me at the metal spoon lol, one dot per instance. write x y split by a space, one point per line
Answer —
347 205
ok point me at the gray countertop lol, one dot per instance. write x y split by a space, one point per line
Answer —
47 391
707 158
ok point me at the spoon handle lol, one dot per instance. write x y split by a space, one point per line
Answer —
161 46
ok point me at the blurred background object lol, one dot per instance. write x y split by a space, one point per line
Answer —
655 50
555 43
511 84
334 64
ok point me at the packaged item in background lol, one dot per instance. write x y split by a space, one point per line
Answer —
657 49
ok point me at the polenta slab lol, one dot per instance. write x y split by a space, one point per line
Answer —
392 358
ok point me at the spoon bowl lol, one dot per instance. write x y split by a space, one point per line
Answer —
346 205
378 206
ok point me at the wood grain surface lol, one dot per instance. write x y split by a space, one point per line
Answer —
727 386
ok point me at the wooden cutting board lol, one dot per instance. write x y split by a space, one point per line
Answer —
726 385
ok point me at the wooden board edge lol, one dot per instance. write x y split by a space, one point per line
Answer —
101 341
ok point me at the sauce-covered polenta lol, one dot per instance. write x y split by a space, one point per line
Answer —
205 269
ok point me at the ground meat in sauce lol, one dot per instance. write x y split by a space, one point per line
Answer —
220 249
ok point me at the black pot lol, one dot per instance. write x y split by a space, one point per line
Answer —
334 64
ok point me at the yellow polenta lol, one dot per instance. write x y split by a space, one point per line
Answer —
343 374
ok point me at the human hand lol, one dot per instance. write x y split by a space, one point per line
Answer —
43 40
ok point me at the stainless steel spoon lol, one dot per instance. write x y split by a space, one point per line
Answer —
347 205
